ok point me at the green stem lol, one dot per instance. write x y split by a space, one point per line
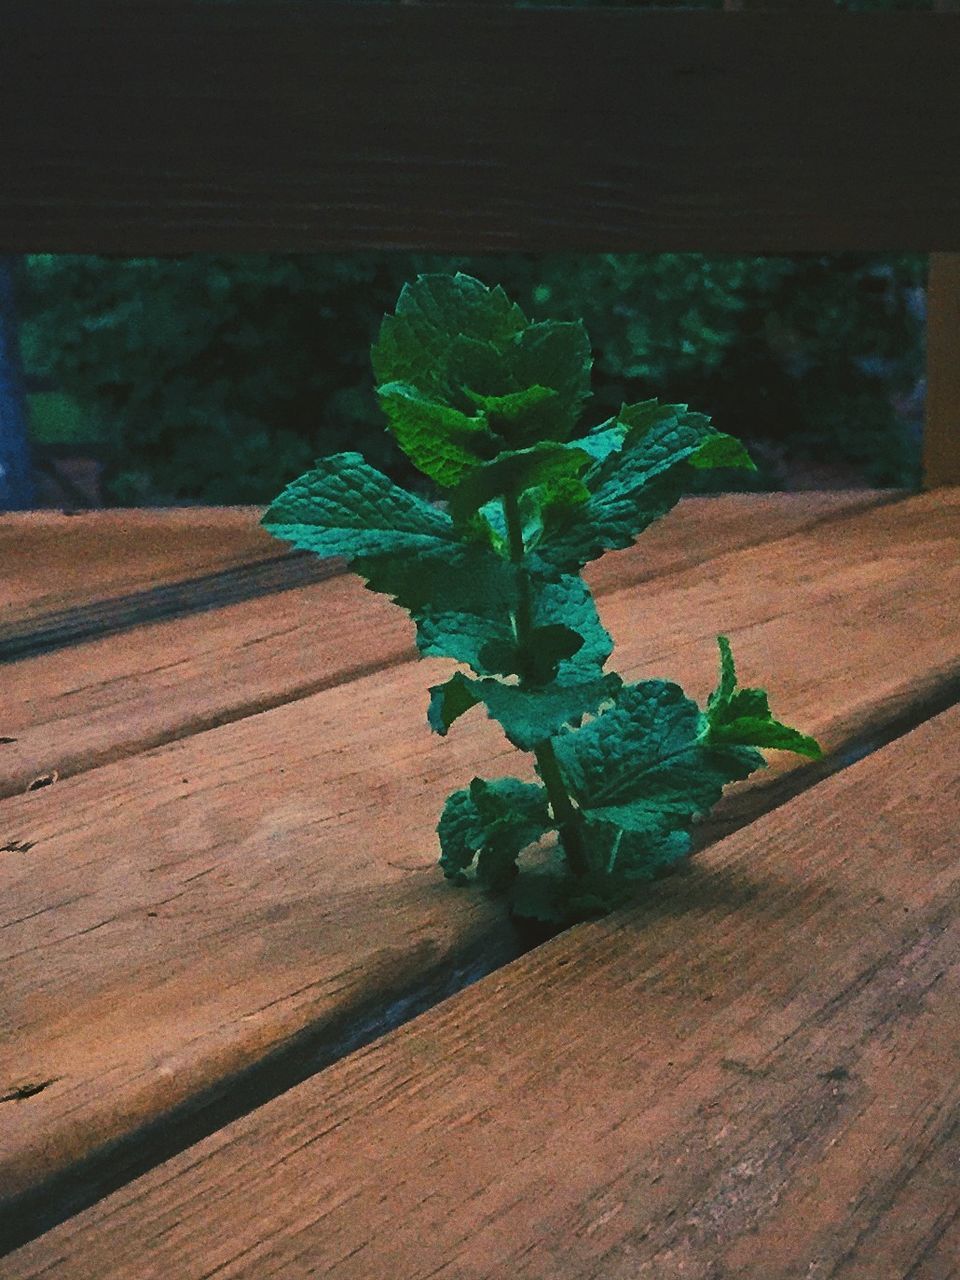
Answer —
569 825
568 820
524 619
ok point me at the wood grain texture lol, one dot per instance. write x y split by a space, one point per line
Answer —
941 430
752 1075
134 127
777 6
174 918
63 629
88 705
54 562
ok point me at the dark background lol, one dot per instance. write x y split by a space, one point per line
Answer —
216 379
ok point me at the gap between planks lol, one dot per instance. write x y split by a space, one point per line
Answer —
749 1074
96 703
54 562
228 882
59 629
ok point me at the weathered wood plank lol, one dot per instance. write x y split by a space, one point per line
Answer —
86 706
143 128
53 563
175 918
63 629
752 1075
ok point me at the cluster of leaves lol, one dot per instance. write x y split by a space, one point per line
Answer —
213 379
487 404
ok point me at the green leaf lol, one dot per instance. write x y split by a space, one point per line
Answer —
640 416
463 346
742 717
513 406
603 440
470 364
491 822
538 662
461 834
644 765
618 861
464 601
550 894
636 484
722 450
571 651
434 313
533 387
553 354
460 599
345 507
553 469
568 601
728 676
448 701
630 855
527 715
514 815
440 441
567 642
462 596
757 732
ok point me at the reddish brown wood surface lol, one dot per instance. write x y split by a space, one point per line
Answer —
753 1074
175 917
88 704
143 128
52 562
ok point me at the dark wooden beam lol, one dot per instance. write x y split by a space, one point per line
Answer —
139 127
941 430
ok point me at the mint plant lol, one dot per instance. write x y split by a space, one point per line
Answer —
488 404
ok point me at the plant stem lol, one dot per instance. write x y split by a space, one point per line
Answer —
523 622
569 826
568 820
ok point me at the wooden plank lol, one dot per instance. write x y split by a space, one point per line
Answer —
54 562
144 128
752 1075
941 431
62 629
116 570
89 705
777 6
175 919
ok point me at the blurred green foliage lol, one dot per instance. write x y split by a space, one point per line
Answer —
57 418
218 379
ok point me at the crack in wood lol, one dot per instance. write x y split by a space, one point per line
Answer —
21 1092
